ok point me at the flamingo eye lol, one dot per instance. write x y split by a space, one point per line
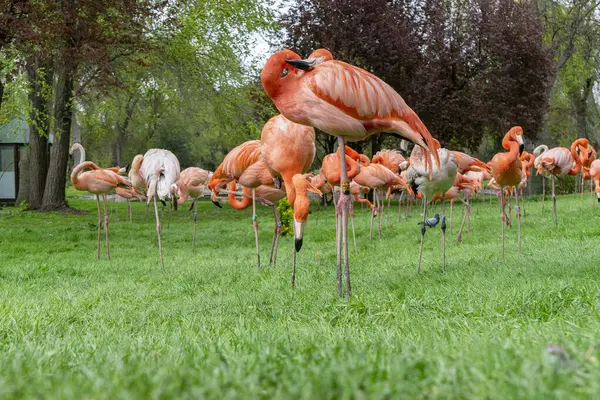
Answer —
284 73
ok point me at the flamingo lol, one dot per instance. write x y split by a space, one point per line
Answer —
467 162
269 195
439 181
378 177
562 161
99 182
81 149
243 164
130 194
156 171
595 175
192 181
507 171
391 159
344 101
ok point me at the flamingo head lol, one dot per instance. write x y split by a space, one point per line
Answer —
280 70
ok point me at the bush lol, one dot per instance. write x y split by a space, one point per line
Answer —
286 215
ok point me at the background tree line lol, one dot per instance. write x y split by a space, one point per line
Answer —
122 76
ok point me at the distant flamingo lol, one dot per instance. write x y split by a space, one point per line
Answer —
97 181
192 181
507 170
79 147
562 161
130 194
466 162
156 171
267 195
378 177
527 160
344 101
440 181
245 165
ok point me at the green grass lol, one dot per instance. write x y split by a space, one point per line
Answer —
211 326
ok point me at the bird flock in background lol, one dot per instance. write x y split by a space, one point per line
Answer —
351 104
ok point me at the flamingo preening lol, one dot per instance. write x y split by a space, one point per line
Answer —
562 161
507 171
156 171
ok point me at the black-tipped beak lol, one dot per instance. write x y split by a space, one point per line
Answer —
298 244
598 199
127 168
164 203
301 64
521 148
216 203
174 204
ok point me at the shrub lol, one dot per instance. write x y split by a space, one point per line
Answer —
286 215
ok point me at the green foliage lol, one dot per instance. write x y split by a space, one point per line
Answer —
286 215
212 327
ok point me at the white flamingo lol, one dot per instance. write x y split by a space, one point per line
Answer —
156 172
442 178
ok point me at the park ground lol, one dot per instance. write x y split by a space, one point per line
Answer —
211 326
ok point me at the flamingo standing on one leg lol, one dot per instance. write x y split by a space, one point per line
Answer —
156 171
507 171
288 149
344 101
99 182
192 181
440 181
243 164
563 161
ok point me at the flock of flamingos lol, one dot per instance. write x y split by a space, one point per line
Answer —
348 102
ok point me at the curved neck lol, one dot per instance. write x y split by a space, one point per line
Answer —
79 169
577 168
183 193
242 204
78 146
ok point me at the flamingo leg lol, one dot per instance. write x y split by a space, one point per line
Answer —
380 208
277 233
373 213
272 254
338 249
353 232
451 207
147 206
443 236
99 225
162 263
255 225
400 206
469 213
467 208
387 218
502 217
591 193
106 226
130 211
543 191
194 234
344 202
523 203
170 209
518 211
554 202
422 233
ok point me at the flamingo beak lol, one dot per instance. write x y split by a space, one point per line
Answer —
521 144
298 233
304 65
215 200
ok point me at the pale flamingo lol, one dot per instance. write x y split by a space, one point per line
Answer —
156 171
562 161
192 181
99 182
595 175
344 101
507 171
428 184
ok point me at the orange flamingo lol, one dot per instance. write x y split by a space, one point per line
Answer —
466 162
268 195
562 161
99 182
243 164
288 149
507 170
192 181
130 194
344 101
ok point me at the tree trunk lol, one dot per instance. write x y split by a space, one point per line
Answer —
54 193
40 77
23 194
581 107
1 93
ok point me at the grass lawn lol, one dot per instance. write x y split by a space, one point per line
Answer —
211 326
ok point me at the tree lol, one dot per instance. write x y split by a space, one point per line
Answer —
468 68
